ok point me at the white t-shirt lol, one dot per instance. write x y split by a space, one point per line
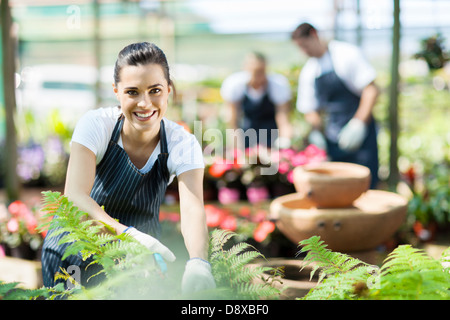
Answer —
95 128
235 86
349 64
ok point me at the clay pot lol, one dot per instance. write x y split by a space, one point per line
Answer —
296 281
372 220
332 184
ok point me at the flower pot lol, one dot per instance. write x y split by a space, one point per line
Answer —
332 184
22 251
372 220
296 281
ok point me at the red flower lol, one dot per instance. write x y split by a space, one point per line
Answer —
259 216
18 209
218 169
169 216
245 211
214 215
229 222
263 230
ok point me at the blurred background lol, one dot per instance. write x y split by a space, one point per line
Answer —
58 57
65 52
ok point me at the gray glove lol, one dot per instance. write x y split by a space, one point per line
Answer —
318 139
197 276
352 135
151 243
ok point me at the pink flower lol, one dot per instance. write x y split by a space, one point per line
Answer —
314 153
290 176
283 167
257 194
13 225
263 230
228 195
299 159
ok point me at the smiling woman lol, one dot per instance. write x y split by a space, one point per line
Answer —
122 159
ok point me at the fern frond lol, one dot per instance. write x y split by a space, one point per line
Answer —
325 260
408 273
231 272
406 258
11 291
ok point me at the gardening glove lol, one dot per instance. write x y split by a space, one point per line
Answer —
318 139
352 135
151 243
197 276
282 143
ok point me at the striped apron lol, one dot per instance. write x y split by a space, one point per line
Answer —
127 194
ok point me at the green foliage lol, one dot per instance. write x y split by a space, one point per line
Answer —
230 271
406 274
11 291
338 271
431 204
129 269
409 274
433 51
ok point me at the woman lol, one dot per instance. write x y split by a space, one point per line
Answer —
123 158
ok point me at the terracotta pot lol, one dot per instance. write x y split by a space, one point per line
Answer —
295 283
332 184
373 219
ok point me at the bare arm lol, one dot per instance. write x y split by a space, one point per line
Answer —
79 181
367 102
193 218
282 120
233 108
314 119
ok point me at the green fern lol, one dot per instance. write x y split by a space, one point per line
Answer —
233 277
410 274
407 274
338 271
85 236
11 291
130 270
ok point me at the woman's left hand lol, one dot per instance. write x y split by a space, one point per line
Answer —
197 276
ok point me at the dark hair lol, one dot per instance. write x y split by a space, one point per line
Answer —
141 53
257 55
302 31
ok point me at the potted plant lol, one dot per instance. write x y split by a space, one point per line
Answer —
428 209
18 233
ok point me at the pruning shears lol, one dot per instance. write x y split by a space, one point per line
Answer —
160 262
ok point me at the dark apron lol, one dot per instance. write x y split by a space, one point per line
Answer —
126 194
259 116
340 105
